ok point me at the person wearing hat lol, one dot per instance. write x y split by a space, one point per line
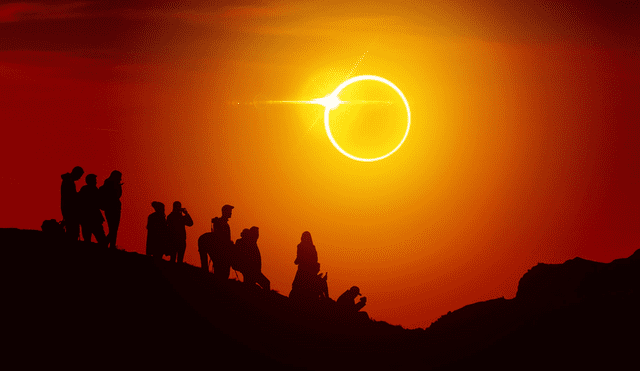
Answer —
347 301
223 245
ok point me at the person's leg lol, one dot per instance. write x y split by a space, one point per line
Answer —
86 233
98 231
171 247
181 251
249 278
113 221
263 281
72 230
204 261
221 271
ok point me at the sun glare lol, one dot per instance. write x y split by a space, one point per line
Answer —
332 101
329 102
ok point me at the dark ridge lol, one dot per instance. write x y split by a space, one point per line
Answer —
82 306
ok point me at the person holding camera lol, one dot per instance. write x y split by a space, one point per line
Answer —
347 301
176 222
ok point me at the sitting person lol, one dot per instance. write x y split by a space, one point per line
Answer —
308 284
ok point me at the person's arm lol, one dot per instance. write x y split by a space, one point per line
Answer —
361 303
297 261
188 221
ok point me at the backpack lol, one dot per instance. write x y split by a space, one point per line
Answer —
103 196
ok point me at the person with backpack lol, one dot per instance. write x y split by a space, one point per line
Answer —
110 193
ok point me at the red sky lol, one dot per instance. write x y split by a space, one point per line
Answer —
523 146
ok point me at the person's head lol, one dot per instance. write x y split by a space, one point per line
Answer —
77 172
91 179
355 291
245 233
226 211
158 206
254 232
306 238
177 206
116 176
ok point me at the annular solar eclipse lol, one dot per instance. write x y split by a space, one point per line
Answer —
332 101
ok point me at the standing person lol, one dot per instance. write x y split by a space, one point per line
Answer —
91 217
69 205
223 245
110 192
157 231
176 222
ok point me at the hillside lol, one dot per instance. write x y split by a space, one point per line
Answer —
80 306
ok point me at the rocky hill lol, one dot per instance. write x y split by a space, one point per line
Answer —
81 306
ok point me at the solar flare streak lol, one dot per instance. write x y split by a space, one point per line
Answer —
327 102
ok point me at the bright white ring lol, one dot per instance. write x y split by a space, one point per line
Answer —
335 94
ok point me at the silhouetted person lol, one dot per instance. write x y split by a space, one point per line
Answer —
110 192
69 203
91 217
308 283
176 222
157 231
250 261
223 245
206 251
347 300
348 306
53 231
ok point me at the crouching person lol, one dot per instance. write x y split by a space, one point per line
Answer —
348 306
249 260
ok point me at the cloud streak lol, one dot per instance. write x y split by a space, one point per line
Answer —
15 12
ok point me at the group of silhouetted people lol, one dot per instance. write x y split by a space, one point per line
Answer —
243 256
83 209
166 235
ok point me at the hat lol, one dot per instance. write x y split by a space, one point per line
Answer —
227 207
356 289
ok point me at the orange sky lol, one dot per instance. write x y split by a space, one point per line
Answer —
523 146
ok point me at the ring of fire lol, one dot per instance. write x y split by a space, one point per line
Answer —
334 96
